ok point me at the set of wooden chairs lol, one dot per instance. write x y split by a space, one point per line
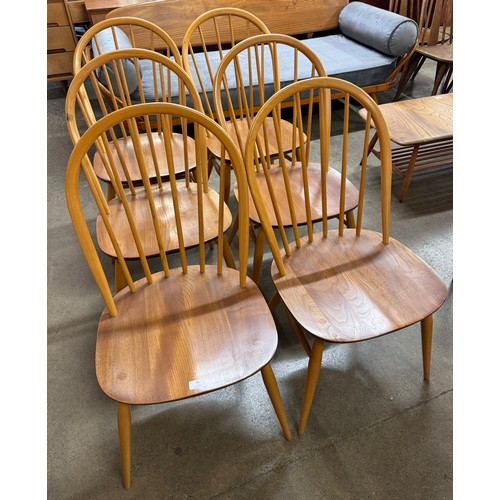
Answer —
183 317
435 41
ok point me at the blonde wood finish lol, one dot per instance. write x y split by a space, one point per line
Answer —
139 207
280 143
423 128
124 418
435 43
121 153
343 285
182 331
164 153
142 34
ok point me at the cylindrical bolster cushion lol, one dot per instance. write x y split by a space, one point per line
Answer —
381 29
106 42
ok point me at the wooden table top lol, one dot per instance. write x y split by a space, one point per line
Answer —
419 121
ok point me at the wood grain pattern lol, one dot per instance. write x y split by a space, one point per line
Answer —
182 336
297 187
353 288
139 205
419 121
281 16
344 285
180 146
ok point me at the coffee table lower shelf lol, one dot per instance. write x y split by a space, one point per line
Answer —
406 160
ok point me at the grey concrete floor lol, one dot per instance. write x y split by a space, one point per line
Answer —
376 430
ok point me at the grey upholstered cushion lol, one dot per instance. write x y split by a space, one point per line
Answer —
381 29
106 43
341 56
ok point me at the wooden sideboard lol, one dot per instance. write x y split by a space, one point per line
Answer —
61 38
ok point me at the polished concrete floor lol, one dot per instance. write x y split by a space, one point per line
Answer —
376 430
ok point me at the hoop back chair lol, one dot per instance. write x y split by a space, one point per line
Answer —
114 81
205 42
123 33
117 164
435 43
248 75
190 327
341 285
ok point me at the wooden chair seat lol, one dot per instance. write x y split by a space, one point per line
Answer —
194 326
238 131
297 187
180 146
440 53
342 284
140 209
182 336
340 288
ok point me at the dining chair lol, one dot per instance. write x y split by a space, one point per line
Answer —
340 285
435 44
205 42
249 74
191 326
117 165
123 33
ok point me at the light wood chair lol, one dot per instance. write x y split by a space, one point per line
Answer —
116 163
247 76
123 33
188 328
341 285
206 41
435 43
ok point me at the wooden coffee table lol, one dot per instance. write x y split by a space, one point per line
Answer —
423 128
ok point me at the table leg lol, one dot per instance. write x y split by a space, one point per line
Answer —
409 173
373 141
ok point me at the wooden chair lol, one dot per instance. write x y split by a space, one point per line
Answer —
435 43
184 330
117 164
247 76
341 285
206 41
123 33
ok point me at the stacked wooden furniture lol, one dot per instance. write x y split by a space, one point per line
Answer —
61 38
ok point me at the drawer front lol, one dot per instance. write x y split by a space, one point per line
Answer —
60 63
57 15
77 11
60 38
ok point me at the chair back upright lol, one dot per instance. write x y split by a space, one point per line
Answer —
103 134
111 74
254 70
333 145
436 22
123 33
207 40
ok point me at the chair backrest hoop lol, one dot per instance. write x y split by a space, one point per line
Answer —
351 92
79 155
131 22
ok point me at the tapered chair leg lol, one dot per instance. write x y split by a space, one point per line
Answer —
258 255
274 394
120 281
350 219
125 436
312 380
228 254
426 333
